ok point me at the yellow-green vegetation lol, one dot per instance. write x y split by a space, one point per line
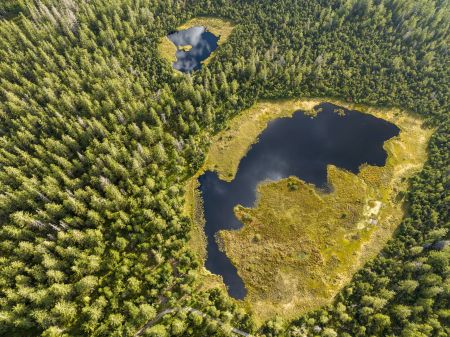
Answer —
185 48
229 146
219 27
226 150
193 208
298 245
167 49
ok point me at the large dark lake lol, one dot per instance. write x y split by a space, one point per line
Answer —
300 146
202 43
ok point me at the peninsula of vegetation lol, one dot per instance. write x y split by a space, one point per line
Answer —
299 246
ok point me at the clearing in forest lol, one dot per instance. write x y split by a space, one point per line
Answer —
219 27
299 246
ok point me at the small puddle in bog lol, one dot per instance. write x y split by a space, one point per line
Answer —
194 45
300 146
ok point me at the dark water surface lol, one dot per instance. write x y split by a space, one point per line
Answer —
299 146
203 44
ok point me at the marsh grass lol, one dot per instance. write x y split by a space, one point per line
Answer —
299 246
230 146
219 27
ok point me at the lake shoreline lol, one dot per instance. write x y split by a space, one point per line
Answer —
263 114
219 27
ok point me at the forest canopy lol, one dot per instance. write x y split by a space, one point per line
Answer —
98 134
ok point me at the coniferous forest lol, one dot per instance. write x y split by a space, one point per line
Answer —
98 135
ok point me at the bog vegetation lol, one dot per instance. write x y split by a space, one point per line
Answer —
98 135
299 246
219 27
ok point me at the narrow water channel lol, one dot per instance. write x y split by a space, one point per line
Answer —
300 146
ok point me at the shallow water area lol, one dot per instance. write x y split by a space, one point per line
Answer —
194 45
300 146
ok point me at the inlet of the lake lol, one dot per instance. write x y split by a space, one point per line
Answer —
300 146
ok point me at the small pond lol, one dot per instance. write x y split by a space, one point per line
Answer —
300 146
194 45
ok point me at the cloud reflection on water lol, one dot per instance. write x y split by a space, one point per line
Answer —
203 43
299 146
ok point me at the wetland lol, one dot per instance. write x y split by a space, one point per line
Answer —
296 195
192 44
301 146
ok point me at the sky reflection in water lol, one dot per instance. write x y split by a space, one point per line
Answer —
299 146
203 44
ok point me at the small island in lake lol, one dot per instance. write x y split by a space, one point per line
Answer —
193 43
185 48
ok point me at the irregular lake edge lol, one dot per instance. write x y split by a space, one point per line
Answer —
220 27
289 106
302 146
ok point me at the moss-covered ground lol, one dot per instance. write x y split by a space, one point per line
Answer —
298 245
219 27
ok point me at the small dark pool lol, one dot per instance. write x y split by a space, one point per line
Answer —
202 43
299 146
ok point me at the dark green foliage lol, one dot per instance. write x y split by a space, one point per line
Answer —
97 135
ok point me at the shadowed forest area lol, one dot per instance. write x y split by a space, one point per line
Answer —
98 135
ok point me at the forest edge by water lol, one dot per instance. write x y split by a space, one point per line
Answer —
231 145
219 27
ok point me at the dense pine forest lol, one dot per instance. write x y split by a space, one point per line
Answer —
98 134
